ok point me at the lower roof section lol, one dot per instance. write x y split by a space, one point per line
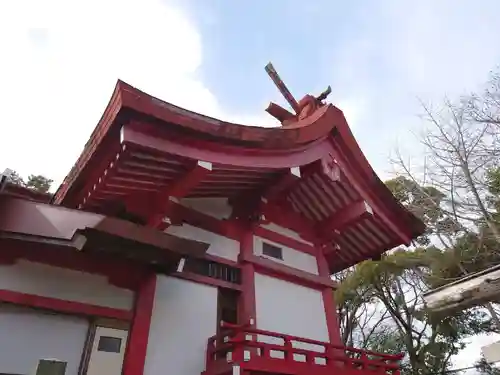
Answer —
36 222
145 155
15 190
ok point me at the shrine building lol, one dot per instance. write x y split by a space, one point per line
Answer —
183 244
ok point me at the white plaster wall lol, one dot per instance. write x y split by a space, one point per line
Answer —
219 245
48 281
291 309
215 207
291 257
285 232
184 317
26 336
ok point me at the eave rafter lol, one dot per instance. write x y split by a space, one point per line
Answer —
254 206
109 170
164 203
346 217
279 187
360 185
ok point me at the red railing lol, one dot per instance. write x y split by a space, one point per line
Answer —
265 351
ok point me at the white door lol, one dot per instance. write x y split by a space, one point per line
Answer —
108 350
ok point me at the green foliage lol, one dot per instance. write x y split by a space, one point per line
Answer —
396 282
425 202
493 184
39 183
34 182
485 368
493 181
16 179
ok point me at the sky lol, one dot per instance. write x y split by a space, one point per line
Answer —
60 59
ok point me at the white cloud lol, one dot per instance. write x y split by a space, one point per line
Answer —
60 62
404 50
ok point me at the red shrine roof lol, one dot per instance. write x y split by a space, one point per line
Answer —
309 175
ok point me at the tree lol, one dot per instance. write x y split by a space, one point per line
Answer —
15 178
462 153
457 195
485 107
426 202
35 182
493 185
486 368
39 183
458 157
380 302
360 319
396 284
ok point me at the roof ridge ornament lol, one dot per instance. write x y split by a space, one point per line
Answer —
304 108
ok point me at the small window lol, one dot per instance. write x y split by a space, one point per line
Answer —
213 269
272 251
109 344
50 366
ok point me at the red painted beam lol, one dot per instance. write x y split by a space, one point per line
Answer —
121 273
250 206
284 240
342 219
275 208
372 189
63 306
282 184
226 228
205 280
279 113
347 216
135 135
179 189
280 271
284 216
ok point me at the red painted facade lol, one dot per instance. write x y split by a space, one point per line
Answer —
308 176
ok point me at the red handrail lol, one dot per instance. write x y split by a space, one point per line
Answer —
242 342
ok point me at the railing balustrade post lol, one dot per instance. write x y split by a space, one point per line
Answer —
210 352
288 349
238 341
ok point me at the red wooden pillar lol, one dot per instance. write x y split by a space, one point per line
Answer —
247 309
332 320
135 354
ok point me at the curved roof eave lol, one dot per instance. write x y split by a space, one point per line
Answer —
327 122
373 184
301 132
127 98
